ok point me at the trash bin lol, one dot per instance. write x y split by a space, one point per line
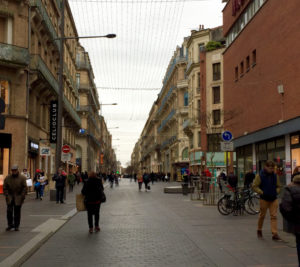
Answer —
185 188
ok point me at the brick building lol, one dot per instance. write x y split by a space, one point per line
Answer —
261 82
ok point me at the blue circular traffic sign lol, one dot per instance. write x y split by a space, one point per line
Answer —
227 136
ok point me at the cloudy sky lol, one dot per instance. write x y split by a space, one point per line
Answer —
130 68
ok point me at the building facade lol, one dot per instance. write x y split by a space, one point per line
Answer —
261 83
88 139
29 88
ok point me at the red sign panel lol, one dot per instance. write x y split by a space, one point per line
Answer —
66 149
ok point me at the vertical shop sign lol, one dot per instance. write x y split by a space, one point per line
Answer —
53 121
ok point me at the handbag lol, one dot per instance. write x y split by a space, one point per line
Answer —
37 184
103 198
80 205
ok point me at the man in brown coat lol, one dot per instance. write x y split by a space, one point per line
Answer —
14 189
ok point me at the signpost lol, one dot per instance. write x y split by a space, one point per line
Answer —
227 145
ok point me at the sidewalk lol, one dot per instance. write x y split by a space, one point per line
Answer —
39 220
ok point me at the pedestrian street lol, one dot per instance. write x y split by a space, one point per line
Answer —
157 229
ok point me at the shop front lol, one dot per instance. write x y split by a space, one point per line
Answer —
5 147
295 150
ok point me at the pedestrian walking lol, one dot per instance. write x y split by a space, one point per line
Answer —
146 180
152 177
43 180
135 177
290 209
267 185
60 182
93 191
78 177
71 181
37 183
14 189
140 180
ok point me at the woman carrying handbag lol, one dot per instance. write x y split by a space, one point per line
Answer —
94 195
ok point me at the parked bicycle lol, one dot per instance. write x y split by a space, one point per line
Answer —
237 201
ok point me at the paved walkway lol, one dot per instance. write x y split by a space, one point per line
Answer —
34 213
156 229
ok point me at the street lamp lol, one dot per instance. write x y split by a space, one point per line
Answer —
113 128
61 81
113 104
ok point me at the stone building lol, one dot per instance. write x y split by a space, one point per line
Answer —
29 62
88 139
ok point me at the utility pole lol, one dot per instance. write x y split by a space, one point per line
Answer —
61 86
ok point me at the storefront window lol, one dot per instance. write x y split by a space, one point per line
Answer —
295 140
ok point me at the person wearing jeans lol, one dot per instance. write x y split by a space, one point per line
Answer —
93 191
290 209
267 185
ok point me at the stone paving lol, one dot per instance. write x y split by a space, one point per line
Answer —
156 229
34 213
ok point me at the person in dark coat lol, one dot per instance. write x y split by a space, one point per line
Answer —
93 191
290 208
14 190
60 183
249 177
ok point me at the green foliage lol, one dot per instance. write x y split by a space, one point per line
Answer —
212 45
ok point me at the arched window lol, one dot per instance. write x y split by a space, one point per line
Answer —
185 154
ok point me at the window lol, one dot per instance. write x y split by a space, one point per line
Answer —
201 48
253 58
186 99
6 30
236 73
216 71
185 154
78 79
247 63
199 139
242 68
216 117
2 30
213 142
216 95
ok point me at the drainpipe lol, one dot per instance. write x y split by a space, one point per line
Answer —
27 87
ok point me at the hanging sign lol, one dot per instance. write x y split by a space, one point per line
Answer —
53 121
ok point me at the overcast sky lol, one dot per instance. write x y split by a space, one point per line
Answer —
130 68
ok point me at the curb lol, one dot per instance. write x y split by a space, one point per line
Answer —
45 231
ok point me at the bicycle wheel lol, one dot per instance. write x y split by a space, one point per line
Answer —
225 206
252 205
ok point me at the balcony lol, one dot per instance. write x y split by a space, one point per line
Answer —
83 65
188 126
71 111
182 84
168 142
15 55
38 64
166 120
183 110
70 79
46 19
165 99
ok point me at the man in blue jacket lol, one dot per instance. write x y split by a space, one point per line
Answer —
267 185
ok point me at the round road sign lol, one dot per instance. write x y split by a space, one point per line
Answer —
65 149
227 136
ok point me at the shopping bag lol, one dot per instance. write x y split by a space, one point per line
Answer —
149 187
29 182
80 206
